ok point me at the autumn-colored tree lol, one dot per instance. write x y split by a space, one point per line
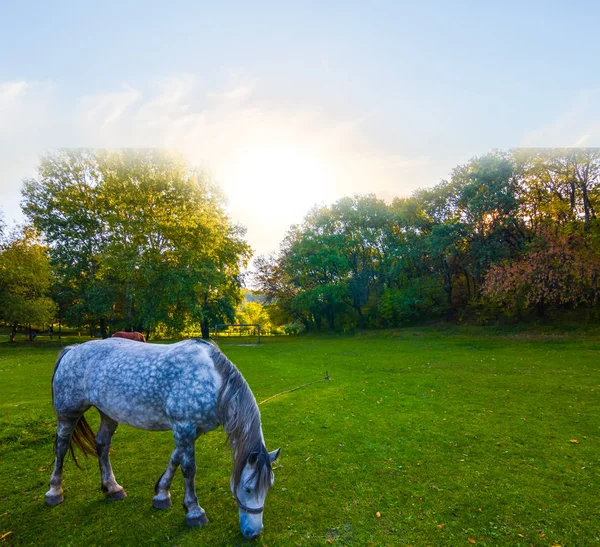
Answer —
556 269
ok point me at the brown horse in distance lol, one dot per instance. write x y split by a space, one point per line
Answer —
137 336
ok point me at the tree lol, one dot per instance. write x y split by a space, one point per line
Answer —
138 239
25 281
254 313
560 186
557 269
362 262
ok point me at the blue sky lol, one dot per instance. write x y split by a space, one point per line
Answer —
305 102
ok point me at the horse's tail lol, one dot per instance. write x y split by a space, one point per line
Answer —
83 438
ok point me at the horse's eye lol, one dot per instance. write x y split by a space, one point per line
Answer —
247 490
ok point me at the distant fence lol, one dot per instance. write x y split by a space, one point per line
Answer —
224 328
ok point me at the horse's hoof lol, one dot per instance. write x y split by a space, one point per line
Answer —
196 519
116 496
54 499
161 503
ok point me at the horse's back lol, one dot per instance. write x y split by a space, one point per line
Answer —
144 385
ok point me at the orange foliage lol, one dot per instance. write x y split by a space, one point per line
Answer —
557 269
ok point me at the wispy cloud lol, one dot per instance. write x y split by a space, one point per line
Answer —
103 109
10 91
215 129
578 124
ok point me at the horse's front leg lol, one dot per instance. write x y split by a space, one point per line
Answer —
110 487
185 437
162 500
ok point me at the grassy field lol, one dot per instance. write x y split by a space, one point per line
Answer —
422 437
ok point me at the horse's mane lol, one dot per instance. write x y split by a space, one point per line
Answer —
238 412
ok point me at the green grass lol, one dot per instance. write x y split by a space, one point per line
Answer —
449 434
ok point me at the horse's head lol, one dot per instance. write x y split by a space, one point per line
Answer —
251 489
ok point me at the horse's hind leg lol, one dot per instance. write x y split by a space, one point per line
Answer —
64 430
110 487
162 500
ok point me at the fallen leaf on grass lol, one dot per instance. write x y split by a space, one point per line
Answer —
3 536
440 526
330 541
471 540
41 468
574 441
378 514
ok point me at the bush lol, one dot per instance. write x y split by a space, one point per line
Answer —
422 298
293 328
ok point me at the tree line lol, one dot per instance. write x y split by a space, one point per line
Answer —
510 233
133 239
136 240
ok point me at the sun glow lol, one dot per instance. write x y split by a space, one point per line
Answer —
271 187
278 181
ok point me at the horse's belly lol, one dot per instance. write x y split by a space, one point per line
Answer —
148 419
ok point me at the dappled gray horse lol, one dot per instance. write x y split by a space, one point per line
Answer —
189 387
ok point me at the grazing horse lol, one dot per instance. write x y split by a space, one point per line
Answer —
189 387
137 336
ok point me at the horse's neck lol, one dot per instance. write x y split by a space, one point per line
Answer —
250 434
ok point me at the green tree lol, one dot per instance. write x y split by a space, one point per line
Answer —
65 204
154 245
252 313
330 267
559 186
25 281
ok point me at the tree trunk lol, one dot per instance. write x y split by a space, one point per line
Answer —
448 289
103 330
13 332
586 207
468 286
360 317
205 329
540 308
331 317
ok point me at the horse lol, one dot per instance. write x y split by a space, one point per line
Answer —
189 387
137 336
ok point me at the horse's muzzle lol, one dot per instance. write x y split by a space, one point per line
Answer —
251 534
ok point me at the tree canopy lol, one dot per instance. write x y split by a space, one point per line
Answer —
508 232
25 282
137 239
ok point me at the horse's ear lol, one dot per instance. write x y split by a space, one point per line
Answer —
274 455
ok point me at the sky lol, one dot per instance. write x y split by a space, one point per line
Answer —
290 104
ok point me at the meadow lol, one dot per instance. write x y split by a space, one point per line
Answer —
423 436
